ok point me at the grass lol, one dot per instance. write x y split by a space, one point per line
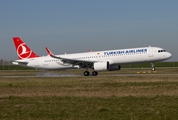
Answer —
79 108
104 86
147 96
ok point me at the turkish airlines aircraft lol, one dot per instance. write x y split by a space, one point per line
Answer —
98 61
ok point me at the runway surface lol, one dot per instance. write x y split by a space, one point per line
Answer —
73 75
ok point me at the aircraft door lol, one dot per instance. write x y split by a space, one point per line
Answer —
98 56
150 52
37 63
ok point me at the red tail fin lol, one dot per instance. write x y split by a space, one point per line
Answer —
23 51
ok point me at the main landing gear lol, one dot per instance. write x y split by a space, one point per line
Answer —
153 67
94 73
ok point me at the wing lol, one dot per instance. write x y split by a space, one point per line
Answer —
81 63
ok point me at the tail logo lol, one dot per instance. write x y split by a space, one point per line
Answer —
23 51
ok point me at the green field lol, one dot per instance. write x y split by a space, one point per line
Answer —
109 96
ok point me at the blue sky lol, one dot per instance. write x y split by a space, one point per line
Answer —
69 26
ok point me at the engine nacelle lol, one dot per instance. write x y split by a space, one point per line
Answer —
101 66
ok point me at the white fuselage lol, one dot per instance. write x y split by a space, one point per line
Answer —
119 57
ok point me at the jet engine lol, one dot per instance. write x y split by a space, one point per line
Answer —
114 67
101 66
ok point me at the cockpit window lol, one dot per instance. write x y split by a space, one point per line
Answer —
161 51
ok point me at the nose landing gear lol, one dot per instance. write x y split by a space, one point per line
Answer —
153 67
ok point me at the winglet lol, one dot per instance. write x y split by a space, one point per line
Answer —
49 52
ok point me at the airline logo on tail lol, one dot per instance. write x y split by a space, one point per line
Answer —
23 51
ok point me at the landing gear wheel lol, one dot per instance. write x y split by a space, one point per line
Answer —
153 67
94 73
86 73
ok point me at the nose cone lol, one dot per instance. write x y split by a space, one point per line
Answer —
169 55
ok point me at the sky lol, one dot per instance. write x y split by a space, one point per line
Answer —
70 26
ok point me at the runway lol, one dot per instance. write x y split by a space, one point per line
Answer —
74 75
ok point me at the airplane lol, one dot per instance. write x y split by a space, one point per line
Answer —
107 60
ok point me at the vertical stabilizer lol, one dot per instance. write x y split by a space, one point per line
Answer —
23 51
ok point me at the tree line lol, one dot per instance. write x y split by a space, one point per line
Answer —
5 62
